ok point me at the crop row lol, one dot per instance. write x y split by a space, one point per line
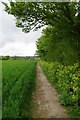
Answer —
66 80
18 85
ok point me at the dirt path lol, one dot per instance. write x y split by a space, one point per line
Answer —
46 99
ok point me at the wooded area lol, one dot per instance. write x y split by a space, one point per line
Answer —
61 39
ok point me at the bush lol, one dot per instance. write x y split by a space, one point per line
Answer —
66 81
5 57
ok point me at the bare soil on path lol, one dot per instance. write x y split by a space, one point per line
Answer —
46 99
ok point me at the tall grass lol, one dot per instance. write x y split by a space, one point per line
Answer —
0 89
18 84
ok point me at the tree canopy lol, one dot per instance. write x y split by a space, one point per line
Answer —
63 32
33 15
54 45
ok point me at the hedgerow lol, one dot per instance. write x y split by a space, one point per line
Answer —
66 80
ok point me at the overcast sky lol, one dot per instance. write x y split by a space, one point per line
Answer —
12 40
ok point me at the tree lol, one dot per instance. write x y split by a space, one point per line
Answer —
65 17
5 57
54 45
33 15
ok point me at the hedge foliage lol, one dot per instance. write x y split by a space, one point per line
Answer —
66 80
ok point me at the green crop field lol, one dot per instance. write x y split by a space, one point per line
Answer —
18 83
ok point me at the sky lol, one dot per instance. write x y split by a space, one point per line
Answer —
13 41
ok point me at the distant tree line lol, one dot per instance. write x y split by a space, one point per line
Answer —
17 57
4 57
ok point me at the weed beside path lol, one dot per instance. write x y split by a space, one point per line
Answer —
46 99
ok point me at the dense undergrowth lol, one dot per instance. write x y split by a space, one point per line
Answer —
18 84
66 80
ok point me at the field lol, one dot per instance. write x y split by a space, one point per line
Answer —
0 89
18 84
19 81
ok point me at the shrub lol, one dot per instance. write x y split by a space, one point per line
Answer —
66 80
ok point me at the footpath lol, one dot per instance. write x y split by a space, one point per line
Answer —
46 99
